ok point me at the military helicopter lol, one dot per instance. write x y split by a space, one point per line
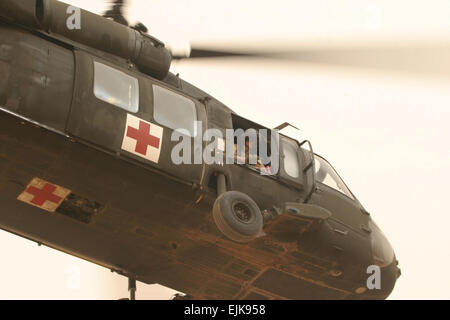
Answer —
87 114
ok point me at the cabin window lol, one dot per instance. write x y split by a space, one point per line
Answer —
116 87
174 110
291 160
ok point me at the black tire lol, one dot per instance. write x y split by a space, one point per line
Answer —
237 216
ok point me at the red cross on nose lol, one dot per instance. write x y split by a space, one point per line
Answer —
143 138
44 194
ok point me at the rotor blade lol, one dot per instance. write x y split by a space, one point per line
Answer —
207 53
416 59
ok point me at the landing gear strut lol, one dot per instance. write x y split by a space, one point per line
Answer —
132 288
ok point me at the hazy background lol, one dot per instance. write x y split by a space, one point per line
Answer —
386 133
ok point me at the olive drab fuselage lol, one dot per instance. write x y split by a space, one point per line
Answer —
76 176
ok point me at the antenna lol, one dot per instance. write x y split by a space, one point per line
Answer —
284 125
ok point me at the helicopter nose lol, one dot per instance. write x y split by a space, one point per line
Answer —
383 256
382 251
389 276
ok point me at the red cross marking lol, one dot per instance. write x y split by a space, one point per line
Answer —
143 137
44 194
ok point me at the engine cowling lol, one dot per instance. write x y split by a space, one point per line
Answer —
147 53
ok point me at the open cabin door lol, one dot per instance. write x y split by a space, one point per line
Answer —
114 110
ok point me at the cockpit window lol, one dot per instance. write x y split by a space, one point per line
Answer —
291 160
327 175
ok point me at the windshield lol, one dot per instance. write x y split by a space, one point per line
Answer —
327 175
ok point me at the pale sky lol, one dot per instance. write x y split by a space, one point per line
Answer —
385 133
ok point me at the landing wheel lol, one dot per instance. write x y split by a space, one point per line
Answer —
237 216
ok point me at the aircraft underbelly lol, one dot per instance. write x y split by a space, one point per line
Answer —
141 219
138 223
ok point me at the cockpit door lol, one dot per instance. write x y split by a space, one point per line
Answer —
182 120
104 94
